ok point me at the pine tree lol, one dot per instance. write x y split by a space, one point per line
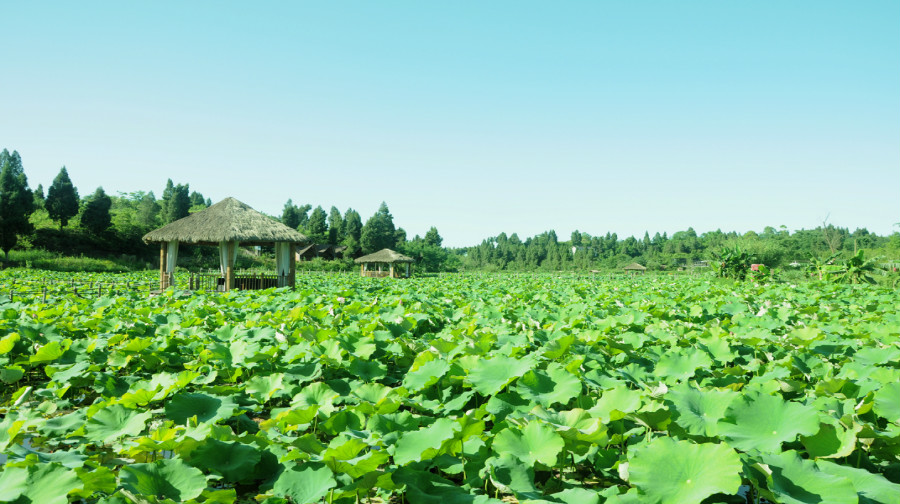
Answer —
16 201
379 231
317 227
432 237
148 212
62 199
39 197
335 226
95 215
290 215
352 231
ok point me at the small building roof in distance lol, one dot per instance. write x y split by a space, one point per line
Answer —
634 267
385 256
227 220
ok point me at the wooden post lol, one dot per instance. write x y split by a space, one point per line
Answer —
362 270
229 269
162 266
407 270
292 265
392 270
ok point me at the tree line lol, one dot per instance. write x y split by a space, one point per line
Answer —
106 225
772 247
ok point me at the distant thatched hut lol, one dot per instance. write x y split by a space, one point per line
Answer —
372 264
635 269
227 224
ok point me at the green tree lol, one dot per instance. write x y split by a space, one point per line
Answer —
148 211
317 227
197 200
95 216
16 201
378 232
175 202
39 197
352 232
432 237
62 199
180 206
335 226
290 215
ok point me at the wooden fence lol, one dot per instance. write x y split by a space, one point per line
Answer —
83 289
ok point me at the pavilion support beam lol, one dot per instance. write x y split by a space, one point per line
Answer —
163 277
229 268
292 268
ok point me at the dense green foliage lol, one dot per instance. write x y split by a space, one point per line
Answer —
95 215
16 201
559 389
62 199
774 248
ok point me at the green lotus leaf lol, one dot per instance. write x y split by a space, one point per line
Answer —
70 459
793 480
536 442
163 479
11 374
832 441
308 483
615 403
887 402
509 475
207 408
555 385
426 375
675 472
758 421
681 365
699 411
425 487
8 342
263 387
423 443
234 461
368 370
96 479
489 376
343 456
115 421
316 394
47 353
40 483
577 496
871 488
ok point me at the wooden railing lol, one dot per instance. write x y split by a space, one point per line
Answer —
214 281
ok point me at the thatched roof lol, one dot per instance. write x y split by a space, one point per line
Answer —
227 220
385 256
634 267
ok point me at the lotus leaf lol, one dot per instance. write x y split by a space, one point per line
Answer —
164 479
668 471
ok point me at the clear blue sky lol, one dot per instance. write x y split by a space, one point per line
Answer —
475 117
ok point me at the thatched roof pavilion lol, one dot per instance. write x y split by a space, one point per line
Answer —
635 268
227 224
380 258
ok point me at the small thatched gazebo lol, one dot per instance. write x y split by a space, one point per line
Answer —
225 225
635 268
379 259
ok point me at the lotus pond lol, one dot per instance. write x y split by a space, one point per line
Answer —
457 389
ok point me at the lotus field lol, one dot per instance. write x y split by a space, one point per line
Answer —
457 389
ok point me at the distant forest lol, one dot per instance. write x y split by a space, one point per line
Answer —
60 220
